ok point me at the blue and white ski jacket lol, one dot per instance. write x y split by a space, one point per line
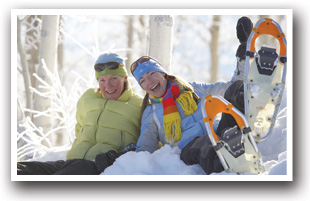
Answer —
192 126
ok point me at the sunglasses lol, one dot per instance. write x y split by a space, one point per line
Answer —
141 60
112 65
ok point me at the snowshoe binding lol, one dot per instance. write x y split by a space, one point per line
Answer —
264 77
237 148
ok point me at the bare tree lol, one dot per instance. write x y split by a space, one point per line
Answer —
130 31
24 64
214 43
48 54
161 39
32 51
60 50
28 42
143 33
137 37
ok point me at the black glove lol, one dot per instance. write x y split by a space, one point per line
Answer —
243 28
130 147
104 160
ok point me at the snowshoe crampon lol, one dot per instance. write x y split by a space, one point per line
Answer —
264 77
237 149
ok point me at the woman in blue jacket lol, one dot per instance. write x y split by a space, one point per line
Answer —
171 107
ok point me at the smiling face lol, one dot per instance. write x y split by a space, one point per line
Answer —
154 83
112 86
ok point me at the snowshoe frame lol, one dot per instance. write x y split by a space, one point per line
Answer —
261 111
247 161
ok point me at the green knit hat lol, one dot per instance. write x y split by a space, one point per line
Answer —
108 57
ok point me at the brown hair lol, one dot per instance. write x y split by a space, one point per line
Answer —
185 86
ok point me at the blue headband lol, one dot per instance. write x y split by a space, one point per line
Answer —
145 67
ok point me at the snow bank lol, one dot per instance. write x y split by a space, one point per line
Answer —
166 161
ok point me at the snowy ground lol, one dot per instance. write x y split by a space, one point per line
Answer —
166 161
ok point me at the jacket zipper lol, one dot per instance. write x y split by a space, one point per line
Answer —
96 127
122 141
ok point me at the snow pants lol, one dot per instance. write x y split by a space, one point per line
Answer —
60 167
200 150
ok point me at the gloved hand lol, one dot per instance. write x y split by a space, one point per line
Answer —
243 28
104 160
130 147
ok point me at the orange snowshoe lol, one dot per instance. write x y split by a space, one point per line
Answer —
237 149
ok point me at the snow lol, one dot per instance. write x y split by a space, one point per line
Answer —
166 161
277 167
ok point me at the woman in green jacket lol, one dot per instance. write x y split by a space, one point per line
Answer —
108 122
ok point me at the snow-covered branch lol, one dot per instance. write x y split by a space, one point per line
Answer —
61 112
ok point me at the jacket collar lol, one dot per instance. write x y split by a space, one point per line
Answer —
125 96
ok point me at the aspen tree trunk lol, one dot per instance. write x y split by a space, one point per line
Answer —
60 52
24 64
130 31
143 34
161 33
48 53
33 61
214 48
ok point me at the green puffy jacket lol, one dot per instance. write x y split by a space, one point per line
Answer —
104 125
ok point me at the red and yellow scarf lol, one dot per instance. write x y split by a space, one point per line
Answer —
171 118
